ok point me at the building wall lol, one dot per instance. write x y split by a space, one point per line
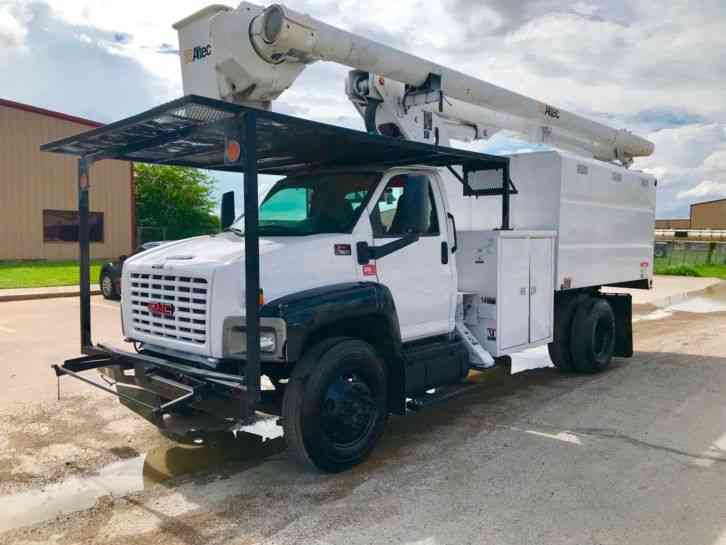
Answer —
709 215
31 181
673 224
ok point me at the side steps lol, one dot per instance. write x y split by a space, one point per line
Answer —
478 357
444 393
438 396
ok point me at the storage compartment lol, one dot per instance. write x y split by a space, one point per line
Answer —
603 214
509 277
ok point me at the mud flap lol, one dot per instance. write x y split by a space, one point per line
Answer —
622 305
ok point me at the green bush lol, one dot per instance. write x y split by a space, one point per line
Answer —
678 270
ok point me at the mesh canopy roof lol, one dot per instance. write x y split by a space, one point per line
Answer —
190 131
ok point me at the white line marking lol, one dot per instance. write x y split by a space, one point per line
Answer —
562 436
6 329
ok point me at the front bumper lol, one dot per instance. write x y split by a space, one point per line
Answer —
183 401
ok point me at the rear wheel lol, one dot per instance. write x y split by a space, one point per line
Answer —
333 417
593 335
559 348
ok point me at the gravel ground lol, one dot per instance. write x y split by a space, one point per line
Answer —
634 455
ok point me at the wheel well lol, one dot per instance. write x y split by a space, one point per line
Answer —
375 330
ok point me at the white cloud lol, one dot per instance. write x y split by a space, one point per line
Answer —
707 188
689 163
12 29
716 161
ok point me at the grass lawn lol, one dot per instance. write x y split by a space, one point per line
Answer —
709 271
40 274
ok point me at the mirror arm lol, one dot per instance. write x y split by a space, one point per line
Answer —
366 252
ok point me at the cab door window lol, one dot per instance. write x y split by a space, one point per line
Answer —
406 206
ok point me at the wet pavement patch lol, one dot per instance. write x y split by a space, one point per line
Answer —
133 474
707 301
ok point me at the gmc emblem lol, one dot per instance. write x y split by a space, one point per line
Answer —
161 309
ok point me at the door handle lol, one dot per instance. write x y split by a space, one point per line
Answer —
456 238
444 253
533 290
523 291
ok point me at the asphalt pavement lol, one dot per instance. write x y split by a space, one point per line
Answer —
634 455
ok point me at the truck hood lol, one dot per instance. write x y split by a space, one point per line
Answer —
287 264
204 250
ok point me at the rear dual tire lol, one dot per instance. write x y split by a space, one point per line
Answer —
584 336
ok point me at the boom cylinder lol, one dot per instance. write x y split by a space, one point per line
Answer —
280 35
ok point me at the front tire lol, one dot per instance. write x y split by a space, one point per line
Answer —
108 288
593 335
334 416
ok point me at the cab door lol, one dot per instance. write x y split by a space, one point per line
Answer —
421 275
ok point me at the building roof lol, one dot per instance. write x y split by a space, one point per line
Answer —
708 202
190 131
49 113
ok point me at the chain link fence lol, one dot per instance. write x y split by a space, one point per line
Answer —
672 253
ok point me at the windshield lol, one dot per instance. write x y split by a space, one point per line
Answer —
309 205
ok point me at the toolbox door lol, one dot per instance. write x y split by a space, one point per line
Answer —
513 300
541 289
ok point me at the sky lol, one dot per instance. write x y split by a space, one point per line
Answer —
655 67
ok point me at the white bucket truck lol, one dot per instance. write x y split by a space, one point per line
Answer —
387 264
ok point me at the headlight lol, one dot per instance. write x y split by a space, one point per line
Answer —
272 337
268 341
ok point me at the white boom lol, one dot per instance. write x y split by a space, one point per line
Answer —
251 55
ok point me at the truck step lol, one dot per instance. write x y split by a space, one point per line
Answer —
419 403
479 358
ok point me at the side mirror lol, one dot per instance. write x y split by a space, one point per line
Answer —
227 213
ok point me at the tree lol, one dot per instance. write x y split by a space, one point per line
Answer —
178 199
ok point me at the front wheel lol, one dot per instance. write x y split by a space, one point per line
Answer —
334 416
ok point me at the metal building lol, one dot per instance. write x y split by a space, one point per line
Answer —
39 191
708 215
684 224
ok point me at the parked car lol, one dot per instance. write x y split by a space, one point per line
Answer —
110 277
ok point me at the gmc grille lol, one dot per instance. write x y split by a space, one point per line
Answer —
183 300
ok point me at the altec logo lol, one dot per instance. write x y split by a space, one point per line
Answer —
161 309
197 53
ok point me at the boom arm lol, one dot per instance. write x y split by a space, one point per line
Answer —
254 54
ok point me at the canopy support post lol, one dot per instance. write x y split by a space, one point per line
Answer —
240 152
84 253
252 258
